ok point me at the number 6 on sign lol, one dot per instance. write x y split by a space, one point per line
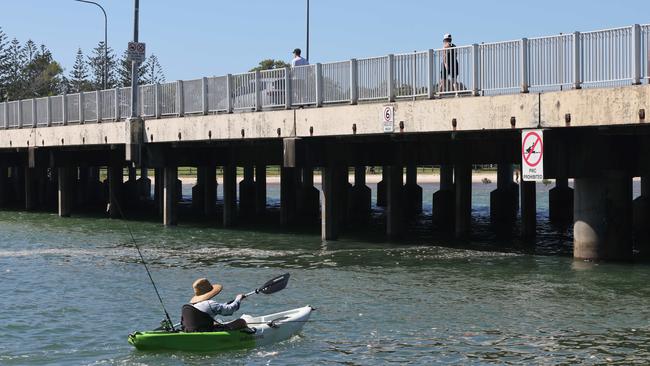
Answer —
532 155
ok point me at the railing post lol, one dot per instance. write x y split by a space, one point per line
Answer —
157 101
82 117
98 102
258 91
6 115
64 109
48 118
204 92
523 67
34 119
354 82
118 112
180 101
229 100
636 54
19 106
319 84
577 61
430 75
391 78
288 94
476 85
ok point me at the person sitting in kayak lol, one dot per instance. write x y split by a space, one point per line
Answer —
199 315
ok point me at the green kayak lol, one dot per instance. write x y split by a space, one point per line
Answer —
268 329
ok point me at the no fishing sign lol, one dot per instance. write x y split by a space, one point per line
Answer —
532 155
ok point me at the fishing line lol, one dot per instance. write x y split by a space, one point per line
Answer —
128 228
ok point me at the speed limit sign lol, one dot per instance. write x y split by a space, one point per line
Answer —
389 118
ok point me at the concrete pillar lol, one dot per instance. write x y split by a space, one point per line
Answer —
65 192
131 188
247 192
443 199
158 190
463 191
641 219
115 181
4 185
198 190
528 210
381 187
331 205
52 188
170 199
31 196
93 186
307 203
144 185
18 181
210 192
229 195
260 189
504 201
603 217
412 191
360 198
394 201
287 196
560 202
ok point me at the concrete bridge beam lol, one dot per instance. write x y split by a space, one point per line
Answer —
360 200
31 196
144 185
560 202
308 199
333 186
641 219
381 187
247 192
229 195
65 191
170 199
115 180
260 189
395 202
210 191
288 183
198 190
463 191
602 228
412 191
528 210
443 199
504 201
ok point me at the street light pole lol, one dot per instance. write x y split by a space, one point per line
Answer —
307 30
134 64
105 73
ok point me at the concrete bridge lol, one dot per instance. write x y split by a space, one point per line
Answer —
589 91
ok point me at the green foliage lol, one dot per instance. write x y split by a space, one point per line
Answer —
124 72
78 80
153 71
269 64
96 66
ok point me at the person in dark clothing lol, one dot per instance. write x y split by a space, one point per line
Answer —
449 67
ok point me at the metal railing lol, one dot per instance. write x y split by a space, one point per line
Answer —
603 58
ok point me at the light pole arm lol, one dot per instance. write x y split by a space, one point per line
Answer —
105 73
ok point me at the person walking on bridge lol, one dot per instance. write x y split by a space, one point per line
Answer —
449 67
297 59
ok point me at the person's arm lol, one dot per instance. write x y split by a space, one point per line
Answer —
231 307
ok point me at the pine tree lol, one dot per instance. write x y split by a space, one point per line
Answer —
154 72
4 65
42 74
78 80
16 63
96 66
124 72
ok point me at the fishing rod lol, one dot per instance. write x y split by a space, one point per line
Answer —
135 243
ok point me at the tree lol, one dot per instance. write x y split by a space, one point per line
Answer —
16 63
4 65
269 64
78 80
96 66
42 74
124 72
153 71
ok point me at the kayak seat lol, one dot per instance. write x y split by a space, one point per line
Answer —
194 320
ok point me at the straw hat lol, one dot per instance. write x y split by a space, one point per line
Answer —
204 290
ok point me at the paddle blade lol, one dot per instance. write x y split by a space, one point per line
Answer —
275 285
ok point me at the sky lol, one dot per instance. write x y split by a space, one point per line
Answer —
196 38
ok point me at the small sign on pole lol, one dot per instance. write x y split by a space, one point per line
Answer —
389 118
532 155
136 52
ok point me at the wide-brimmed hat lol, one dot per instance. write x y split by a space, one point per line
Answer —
204 290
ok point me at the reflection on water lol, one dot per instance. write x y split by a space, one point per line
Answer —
74 289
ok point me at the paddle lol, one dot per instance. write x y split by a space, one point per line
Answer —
271 286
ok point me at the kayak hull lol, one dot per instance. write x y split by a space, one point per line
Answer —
268 329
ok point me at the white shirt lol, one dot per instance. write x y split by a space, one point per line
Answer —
299 61
214 308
